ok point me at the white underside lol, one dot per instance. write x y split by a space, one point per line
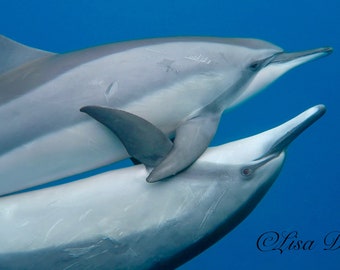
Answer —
47 157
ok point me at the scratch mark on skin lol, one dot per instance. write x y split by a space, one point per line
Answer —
52 228
52 203
98 254
77 252
111 90
209 212
134 253
23 224
83 216
168 65
199 59
70 266
224 58
74 237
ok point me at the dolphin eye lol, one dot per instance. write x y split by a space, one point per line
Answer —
247 171
255 65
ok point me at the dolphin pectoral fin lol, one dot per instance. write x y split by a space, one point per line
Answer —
14 54
149 145
142 140
192 139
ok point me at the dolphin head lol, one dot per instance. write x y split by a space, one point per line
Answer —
243 66
252 164
268 62
228 181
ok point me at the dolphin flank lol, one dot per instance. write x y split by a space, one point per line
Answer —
180 85
116 220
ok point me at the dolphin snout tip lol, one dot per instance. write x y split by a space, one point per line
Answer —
320 52
321 108
323 51
327 50
317 111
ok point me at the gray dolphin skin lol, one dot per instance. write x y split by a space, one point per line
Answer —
180 85
116 220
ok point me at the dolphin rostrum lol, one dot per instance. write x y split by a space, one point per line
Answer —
180 85
116 220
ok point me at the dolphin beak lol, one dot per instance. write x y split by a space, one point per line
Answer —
263 147
290 130
298 58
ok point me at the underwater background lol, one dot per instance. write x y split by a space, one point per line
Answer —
305 199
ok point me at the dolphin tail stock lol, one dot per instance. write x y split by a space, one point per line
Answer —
14 54
149 145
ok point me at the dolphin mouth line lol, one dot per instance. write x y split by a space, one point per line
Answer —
301 125
283 57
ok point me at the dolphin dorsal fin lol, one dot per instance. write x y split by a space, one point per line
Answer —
14 54
142 140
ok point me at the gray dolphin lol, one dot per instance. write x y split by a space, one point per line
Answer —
116 220
180 85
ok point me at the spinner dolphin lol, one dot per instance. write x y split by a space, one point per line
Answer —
180 85
116 220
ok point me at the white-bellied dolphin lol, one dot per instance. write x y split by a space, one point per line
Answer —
181 85
116 220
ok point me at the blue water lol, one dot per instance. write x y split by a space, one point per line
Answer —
305 198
